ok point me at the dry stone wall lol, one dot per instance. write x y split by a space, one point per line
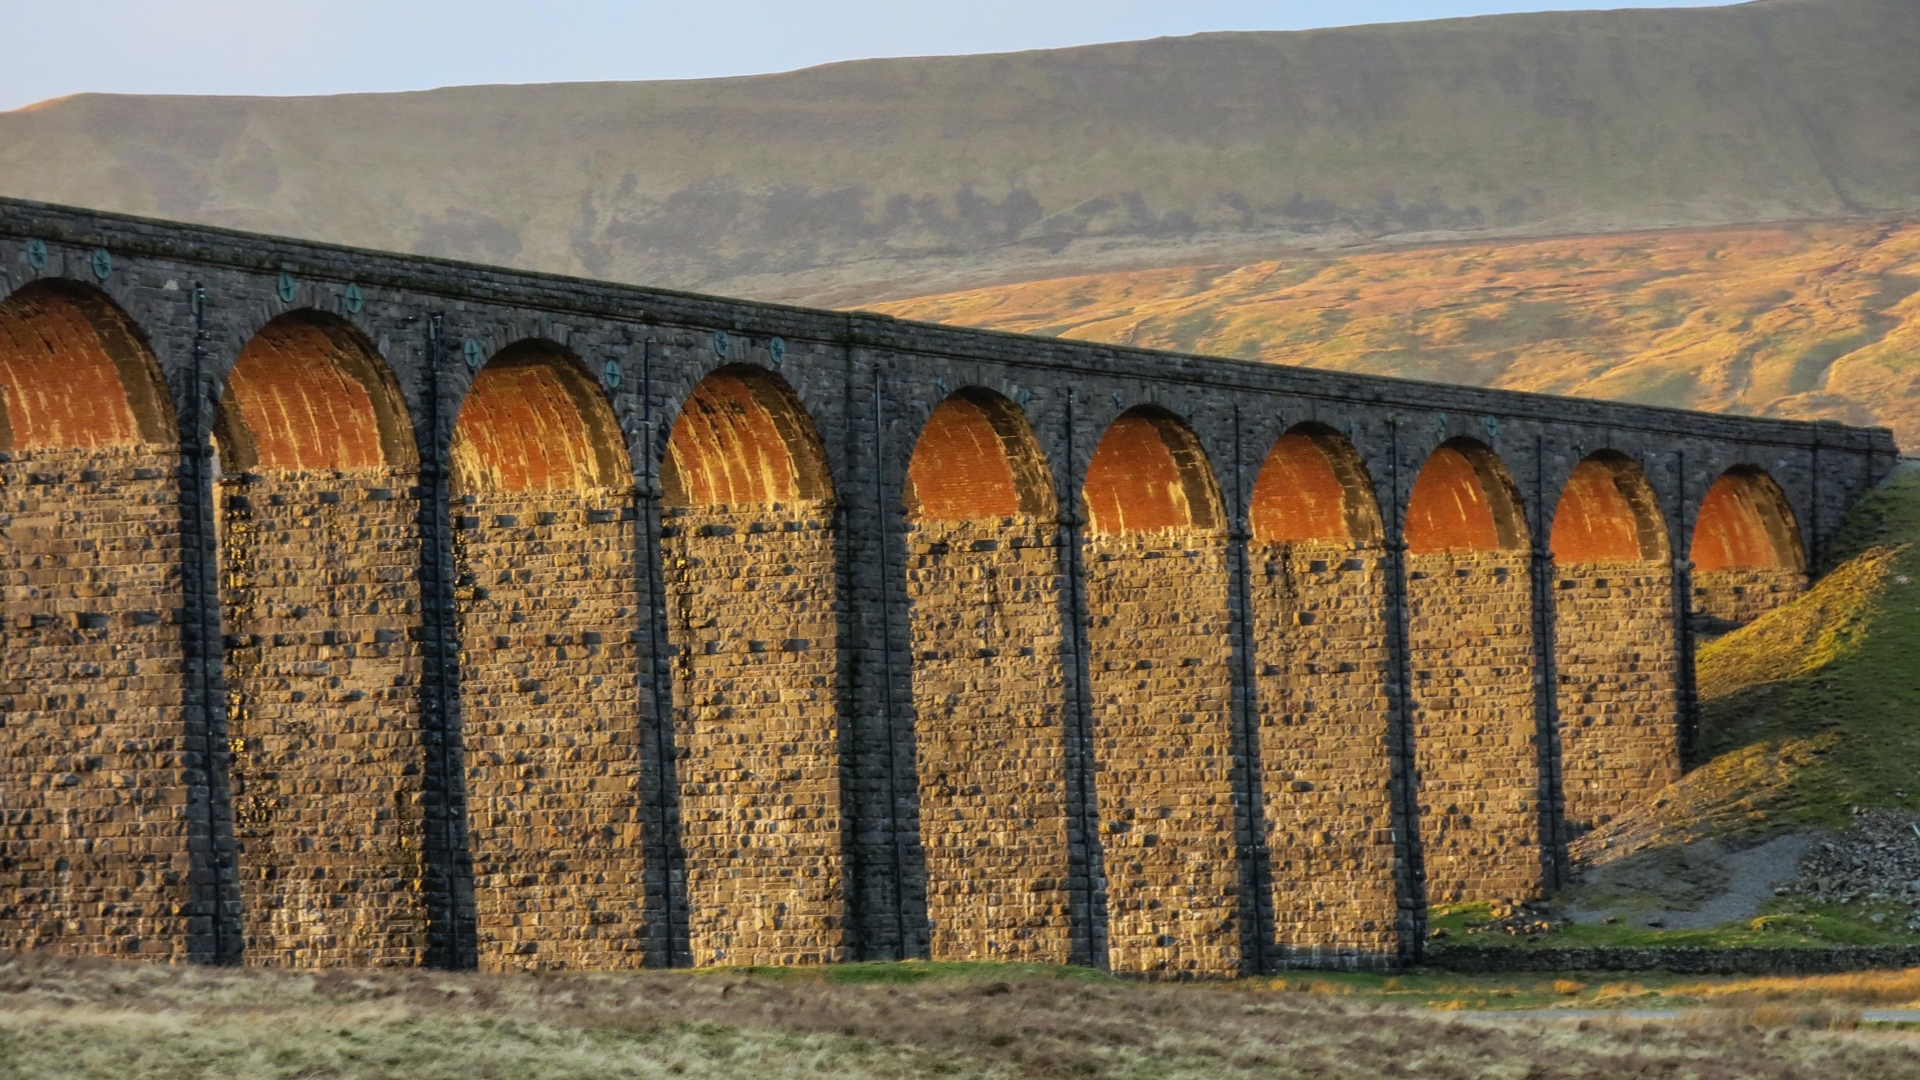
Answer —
754 623
989 694
550 695
1471 651
96 763
1615 666
1160 665
1326 755
321 605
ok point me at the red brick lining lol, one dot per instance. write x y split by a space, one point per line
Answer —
1745 523
534 421
743 438
73 375
976 460
308 393
1149 474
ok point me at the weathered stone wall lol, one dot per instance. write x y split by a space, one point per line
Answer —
1160 662
988 694
321 605
754 621
554 719
96 764
1319 617
1615 666
1726 599
1471 651
550 694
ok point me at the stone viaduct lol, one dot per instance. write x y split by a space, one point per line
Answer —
371 609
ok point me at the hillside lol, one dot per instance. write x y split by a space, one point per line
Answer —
1808 321
1811 710
863 180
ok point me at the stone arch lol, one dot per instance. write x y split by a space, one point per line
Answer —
535 421
977 459
1615 656
1471 647
1464 501
984 590
98 856
1150 474
743 438
1161 681
1746 551
549 615
751 575
310 392
76 374
319 553
1608 512
1318 596
1313 487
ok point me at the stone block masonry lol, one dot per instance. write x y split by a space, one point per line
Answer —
1476 735
368 609
1164 767
754 623
548 620
1326 752
321 603
989 697
99 853
1615 666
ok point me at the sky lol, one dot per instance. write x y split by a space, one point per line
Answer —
58 47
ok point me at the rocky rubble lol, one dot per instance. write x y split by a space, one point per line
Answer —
1876 860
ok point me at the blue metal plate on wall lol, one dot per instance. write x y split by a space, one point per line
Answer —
102 263
611 375
721 343
353 299
37 254
286 288
471 350
777 350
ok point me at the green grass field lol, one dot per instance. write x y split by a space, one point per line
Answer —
96 1020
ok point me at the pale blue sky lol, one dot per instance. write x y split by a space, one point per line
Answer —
58 47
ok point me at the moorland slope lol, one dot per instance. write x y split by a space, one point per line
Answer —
862 180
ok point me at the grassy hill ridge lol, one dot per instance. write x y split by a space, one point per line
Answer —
901 177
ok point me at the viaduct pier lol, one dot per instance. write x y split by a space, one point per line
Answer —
371 609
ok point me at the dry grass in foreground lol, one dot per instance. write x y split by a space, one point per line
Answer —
82 1019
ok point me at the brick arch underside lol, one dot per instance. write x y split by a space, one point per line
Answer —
1471 649
1616 660
1746 552
984 590
549 615
1318 591
320 550
96 758
751 577
1160 679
